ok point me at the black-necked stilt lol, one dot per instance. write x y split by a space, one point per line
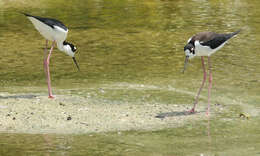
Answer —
55 31
205 44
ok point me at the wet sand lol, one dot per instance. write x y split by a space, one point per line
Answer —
73 114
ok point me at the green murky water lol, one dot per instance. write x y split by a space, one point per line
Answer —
138 42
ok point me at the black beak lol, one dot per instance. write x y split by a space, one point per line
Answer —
185 63
74 59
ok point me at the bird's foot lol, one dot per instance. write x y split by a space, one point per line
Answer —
51 97
192 111
207 113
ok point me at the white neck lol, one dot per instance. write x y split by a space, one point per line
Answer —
65 48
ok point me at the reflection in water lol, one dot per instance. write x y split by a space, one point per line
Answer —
209 136
48 144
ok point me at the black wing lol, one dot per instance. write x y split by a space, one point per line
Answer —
219 39
49 21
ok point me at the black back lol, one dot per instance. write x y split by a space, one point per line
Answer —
216 41
49 21
219 39
211 39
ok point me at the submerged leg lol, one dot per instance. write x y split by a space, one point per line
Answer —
47 70
210 85
202 85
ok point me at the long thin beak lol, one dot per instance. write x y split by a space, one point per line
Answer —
185 63
74 59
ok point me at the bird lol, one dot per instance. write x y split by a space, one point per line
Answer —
55 31
204 44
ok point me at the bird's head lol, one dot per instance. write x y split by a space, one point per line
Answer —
70 50
189 50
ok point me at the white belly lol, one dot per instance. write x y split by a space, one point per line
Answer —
205 50
53 34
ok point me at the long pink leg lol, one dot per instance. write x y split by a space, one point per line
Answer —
45 57
210 85
46 65
202 85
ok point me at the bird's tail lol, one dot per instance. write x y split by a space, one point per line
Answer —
232 34
28 15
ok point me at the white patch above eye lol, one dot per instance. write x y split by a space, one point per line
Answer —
189 40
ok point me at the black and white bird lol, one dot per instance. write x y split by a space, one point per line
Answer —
56 32
205 44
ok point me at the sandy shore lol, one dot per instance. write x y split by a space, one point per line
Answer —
36 113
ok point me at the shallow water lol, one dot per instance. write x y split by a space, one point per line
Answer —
136 42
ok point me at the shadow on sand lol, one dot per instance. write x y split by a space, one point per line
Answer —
172 114
18 97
